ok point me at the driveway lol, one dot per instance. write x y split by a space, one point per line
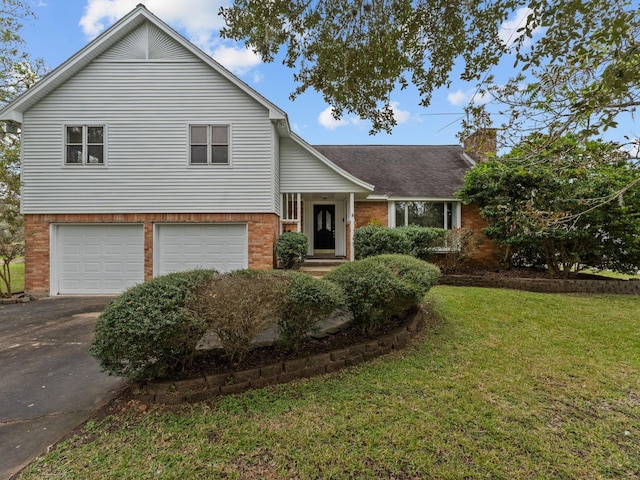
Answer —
49 383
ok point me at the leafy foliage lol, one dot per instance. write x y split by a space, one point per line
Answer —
148 332
373 240
11 221
305 302
17 73
377 289
424 240
592 74
419 274
549 210
238 306
356 53
419 242
291 249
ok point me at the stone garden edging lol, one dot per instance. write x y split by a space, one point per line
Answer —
206 387
546 285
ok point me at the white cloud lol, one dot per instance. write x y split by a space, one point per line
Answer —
509 29
328 121
401 116
198 19
238 60
465 97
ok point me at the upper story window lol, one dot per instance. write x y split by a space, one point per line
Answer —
84 145
427 214
209 144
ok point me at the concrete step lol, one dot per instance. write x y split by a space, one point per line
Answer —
316 271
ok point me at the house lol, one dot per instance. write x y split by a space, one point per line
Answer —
141 155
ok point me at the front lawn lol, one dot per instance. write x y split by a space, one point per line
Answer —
17 278
504 384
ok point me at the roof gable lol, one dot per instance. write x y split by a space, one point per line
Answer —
140 36
147 42
404 171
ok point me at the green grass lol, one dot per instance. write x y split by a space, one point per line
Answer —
17 278
504 384
610 274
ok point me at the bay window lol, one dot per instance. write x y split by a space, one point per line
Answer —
427 214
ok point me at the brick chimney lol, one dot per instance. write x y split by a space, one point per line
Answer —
481 144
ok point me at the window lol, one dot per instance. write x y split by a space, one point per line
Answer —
427 214
84 145
209 144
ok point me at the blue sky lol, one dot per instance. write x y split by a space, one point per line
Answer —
63 27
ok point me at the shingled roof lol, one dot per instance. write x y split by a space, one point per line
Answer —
403 171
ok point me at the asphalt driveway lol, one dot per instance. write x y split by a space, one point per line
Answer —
49 383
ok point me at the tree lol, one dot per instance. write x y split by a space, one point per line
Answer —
17 73
357 52
592 76
11 221
547 211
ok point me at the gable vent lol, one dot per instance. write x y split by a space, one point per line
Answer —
147 42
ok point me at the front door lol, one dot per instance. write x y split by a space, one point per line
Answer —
324 230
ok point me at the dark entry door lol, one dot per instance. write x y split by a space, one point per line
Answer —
324 237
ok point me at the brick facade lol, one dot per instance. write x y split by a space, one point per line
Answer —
262 233
365 212
486 255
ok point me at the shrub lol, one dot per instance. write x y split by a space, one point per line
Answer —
306 301
238 306
147 332
462 242
374 293
291 249
424 240
373 240
418 273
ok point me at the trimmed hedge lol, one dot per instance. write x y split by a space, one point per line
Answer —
306 301
419 242
373 240
291 249
378 289
424 240
238 306
418 273
147 332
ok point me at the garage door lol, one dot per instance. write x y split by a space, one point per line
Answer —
185 247
98 259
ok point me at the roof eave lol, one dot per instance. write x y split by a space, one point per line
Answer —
330 164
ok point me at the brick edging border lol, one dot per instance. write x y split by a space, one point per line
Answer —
203 388
546 285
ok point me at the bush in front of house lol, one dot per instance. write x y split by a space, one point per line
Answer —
372 240
238 306
418 273
147 332
306 301
374 293
424 240
291 249
420 242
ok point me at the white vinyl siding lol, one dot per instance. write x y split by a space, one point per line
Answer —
148 106
181 247
301 172
96 259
